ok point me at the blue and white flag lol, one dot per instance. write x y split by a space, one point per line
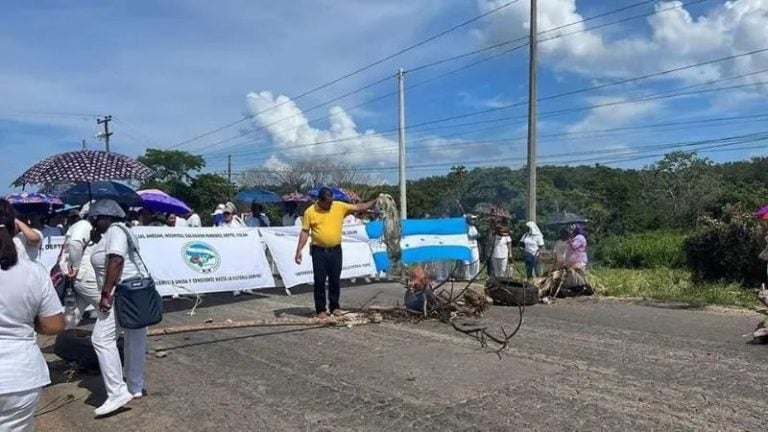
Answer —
424 240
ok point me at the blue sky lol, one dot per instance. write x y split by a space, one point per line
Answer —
168 71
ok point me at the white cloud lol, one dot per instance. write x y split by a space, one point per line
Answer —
676 39
610 116
293 136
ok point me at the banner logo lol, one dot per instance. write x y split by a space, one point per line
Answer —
201 257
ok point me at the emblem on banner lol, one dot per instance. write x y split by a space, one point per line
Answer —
201 257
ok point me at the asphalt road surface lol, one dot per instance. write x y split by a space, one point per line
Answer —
577 365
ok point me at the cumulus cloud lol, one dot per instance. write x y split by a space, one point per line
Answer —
612 115
676 38
290 131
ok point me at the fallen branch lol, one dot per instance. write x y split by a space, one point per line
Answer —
348 320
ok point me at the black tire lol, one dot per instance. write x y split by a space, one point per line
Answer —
512 294
75 346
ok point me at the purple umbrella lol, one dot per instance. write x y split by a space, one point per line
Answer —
762 212
159 201
34 202
296 197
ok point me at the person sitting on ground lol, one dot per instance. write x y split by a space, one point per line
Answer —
257 218
533 243
29 304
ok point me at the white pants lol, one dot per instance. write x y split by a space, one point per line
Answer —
17 411
104 339
500 267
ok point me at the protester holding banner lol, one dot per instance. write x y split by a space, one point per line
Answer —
257 218
114 260
324 221
231 219
28 304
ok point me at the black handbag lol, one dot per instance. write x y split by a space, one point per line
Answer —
137 302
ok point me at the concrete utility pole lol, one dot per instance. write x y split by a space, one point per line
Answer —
229 175
532 115
106 134
401 141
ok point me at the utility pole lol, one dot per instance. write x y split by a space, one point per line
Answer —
401 141
229 175
106 134
532 114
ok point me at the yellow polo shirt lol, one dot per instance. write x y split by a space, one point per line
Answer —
325 225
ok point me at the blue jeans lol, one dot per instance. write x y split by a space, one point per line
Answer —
531 264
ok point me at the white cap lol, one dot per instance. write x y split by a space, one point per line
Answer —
219 210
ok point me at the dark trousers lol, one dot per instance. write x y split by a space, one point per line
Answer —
531 264
326 264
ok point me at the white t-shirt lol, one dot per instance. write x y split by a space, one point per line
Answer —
27 294
51 231
289 219
501 246
78 252
235 223
25 249
194 221
532 244
115 242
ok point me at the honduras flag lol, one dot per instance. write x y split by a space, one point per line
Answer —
424 240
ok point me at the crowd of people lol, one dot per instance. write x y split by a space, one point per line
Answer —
100 251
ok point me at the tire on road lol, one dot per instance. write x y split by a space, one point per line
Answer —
512 293
75 346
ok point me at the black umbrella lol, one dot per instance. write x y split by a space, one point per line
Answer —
565 218
84 192
84 166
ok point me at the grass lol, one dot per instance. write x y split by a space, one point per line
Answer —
669 285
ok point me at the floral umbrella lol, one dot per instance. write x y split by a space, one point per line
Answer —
296 197
84 166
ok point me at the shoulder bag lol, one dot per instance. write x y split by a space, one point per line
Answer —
137 302
61 281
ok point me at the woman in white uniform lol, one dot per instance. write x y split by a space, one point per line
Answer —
28 304
114 260
28 241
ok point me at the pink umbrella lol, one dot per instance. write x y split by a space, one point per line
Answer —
762 213
353 197
296 197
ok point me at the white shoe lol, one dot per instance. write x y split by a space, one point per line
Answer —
353 280
236 293
113 404
367 280
138 395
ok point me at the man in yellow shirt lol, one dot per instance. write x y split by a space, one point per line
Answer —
324 221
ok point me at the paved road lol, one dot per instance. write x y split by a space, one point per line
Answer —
577 365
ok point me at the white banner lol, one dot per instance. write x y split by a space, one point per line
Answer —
204 260
50 251
357 260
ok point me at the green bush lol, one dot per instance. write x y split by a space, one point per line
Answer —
727 250
644 250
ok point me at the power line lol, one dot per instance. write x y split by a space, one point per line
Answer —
449 59
419 126
364 68
573 136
